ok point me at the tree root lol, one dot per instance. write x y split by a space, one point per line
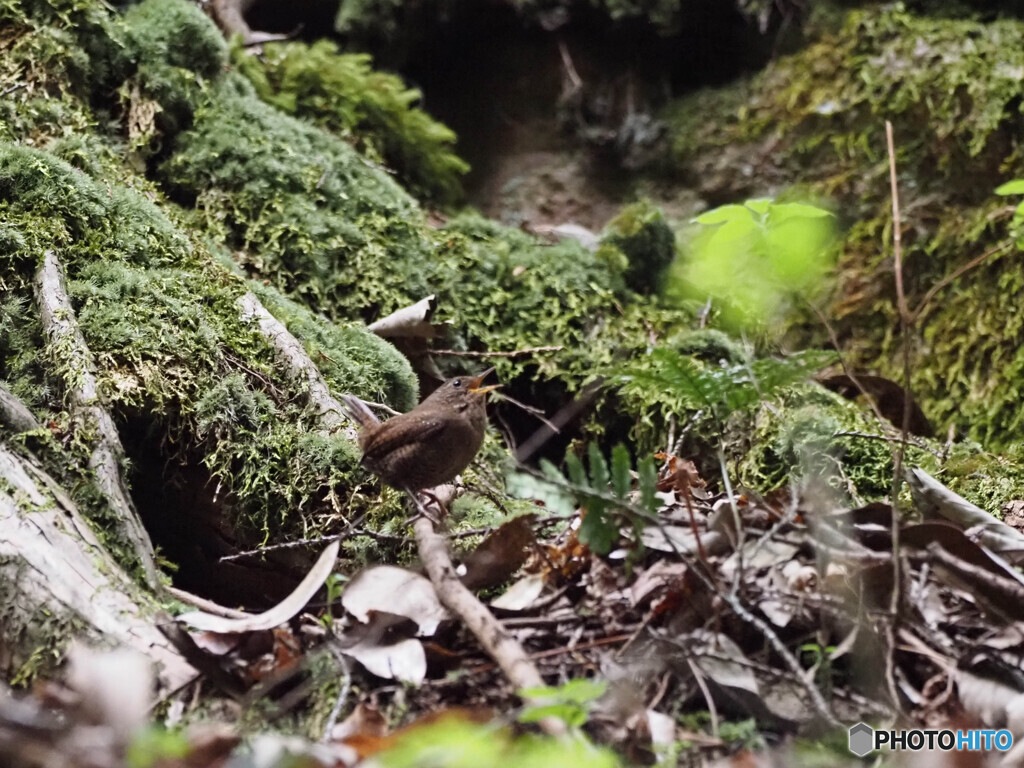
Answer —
93 422
291 355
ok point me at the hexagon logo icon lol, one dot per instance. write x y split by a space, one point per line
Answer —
862 738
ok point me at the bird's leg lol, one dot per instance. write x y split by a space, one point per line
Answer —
421 508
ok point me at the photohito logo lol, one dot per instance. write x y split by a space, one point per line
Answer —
865 739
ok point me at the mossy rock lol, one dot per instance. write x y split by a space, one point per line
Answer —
300 207
815 120
177 51
374 111
159 315
643 235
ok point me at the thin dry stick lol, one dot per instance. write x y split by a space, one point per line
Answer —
905 329
537 413
495 639
842 361
958 272
512 353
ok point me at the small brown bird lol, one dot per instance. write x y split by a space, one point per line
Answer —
430 444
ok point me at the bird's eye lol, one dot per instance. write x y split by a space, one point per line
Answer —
457 383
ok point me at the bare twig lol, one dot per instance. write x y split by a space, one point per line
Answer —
733 600
512 353
956 273
383 407
566 414
537 413
351 529
346 687
205 605
842 361
919 444
95 423
906 323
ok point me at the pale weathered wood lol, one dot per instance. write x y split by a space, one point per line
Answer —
56 577
93 421
14 414
291 355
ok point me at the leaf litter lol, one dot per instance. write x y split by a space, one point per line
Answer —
780 621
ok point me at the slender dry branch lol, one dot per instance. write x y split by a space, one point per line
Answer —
512 353
906 326
495 639
956 273
94 422
842 361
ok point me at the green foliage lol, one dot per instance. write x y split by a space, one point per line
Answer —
160 317
508 291
571 703
373 110
756 258
648 242
453 743
689 385
604 493
811 434
951 88
1015 187
154 745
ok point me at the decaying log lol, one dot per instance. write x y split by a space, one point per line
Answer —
57 575
93 420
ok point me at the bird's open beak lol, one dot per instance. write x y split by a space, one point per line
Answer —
476 381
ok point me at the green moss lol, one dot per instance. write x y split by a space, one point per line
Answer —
648 242
300 207
177 51
372 110
161 320
800 437
815 119
985 479
350 358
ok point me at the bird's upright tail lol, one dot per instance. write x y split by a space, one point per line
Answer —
359 411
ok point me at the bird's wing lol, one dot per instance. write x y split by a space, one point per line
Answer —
397 432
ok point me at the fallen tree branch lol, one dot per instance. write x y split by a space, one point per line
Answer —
495 639
292 356
93 421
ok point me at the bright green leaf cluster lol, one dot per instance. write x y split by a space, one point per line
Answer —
756 258
453 743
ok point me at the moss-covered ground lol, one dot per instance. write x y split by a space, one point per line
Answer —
951 84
